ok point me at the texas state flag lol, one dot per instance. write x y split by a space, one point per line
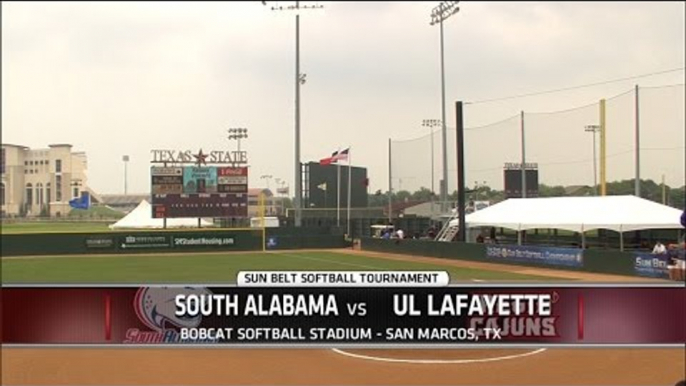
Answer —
335 157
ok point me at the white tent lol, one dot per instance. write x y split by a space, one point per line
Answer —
141 217
577 214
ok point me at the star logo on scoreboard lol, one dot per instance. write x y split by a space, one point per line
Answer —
201 159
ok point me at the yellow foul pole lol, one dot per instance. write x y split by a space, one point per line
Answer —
603 148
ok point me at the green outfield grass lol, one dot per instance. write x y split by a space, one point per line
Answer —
213 268
54 226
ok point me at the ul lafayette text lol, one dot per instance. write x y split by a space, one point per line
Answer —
188 156
190 305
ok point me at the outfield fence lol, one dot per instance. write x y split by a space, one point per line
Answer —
559 142
173 241
596 261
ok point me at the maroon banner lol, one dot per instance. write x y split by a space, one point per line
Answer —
454 315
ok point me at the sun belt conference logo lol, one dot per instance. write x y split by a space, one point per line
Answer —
155 307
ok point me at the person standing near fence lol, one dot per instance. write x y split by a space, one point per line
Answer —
677 265
659 249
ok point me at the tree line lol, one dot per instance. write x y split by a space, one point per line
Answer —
649 190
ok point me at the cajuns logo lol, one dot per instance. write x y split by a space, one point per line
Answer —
155 308
520 326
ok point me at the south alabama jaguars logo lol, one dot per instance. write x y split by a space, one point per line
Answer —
155 307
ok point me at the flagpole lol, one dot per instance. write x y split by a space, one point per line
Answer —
350 159
338 194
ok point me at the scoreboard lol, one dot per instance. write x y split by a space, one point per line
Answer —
513 180
199 191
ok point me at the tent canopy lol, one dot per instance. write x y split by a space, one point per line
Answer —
577 214
141 217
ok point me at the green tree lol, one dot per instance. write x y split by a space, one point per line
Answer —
402 196
377 199
676 197
551 191
287 203
423 194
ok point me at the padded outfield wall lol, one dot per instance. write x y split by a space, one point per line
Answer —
175 241
589 260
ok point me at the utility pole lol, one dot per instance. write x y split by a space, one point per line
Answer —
594 129
637 181
431 123
126 177
390 185
603 150
521 117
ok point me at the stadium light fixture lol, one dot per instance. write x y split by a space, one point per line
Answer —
238 133
439 14
594 129
443 11
267 177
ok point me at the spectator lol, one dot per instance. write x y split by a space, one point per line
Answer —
386 234
659 249
677 261
401 234
480 239
431 233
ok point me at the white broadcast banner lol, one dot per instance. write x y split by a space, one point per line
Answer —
343 279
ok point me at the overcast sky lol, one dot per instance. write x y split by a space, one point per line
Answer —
117 78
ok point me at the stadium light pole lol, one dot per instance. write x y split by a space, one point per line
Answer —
126 161
477 190
637 135
439 14
594 129
279 190
299 80
238 133
267 177
431 123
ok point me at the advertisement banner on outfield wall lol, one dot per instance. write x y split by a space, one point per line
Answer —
203 241
144 241
100 242
565 257
649 265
